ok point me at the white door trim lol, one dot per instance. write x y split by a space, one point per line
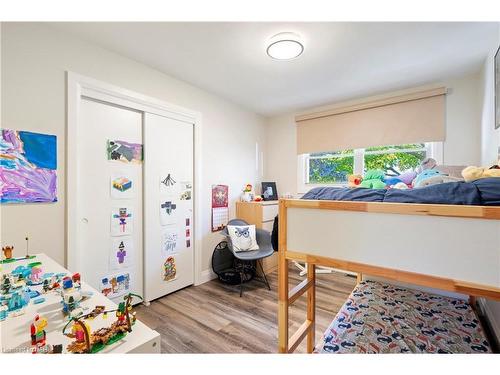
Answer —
78 86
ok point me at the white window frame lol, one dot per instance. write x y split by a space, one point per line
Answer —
433 150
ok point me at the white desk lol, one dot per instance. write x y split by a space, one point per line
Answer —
15 331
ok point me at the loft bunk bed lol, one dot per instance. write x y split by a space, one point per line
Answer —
453 248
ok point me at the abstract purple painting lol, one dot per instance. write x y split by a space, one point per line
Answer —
28 164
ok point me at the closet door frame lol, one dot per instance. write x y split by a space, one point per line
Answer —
80 87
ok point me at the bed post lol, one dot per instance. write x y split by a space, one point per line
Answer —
311 306
282 281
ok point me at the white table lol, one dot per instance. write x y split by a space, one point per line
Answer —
15 331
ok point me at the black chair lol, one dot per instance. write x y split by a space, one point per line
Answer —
263 239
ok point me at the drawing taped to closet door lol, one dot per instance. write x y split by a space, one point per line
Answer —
121 221
122 184
121 252
169 239
168 184
168 211
169 269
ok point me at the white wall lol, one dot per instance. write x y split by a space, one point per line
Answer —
463 134
34 60
490 142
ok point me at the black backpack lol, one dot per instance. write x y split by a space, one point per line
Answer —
274 235
227 267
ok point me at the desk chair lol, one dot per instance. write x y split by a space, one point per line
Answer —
263 239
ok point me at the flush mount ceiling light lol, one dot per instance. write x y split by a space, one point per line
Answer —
285 46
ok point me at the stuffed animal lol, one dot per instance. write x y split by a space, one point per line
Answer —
374 179
474 173
354 180
427 163
432 177
406 178
400 185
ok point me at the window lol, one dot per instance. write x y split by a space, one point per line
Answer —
334 167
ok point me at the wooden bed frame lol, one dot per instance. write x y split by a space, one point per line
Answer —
395 241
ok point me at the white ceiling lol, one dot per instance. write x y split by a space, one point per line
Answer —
341 60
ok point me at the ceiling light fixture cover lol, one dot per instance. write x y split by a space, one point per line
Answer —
285 46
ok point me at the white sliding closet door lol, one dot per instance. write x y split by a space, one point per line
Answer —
168 205
97 246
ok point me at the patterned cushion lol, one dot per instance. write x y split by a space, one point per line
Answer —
382 318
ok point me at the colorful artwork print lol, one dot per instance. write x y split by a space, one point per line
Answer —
115 285
121 221
168 212
169 241
169 269
124 151
121 252
28 164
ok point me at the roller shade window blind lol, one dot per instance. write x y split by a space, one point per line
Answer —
413 118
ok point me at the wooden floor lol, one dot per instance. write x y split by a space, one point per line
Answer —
212 318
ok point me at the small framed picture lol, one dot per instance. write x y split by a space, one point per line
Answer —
269 192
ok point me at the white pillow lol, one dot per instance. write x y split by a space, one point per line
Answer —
243 237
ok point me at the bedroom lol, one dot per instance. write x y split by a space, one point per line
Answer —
144 140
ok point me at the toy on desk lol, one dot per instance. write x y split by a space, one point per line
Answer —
76 280
36 275
38 335
87 342
14 294
7 251
248 194
71 298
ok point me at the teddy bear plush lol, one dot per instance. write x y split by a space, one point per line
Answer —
475 173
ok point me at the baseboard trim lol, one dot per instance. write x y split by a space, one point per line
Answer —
206 276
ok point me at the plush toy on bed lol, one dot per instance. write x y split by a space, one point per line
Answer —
405 178
475 173
432 177
374 179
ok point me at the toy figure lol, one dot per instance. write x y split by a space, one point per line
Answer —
78 331
36 275
248 194
46 285
6 284
71 298
7 251
120 313
76 280
38 335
